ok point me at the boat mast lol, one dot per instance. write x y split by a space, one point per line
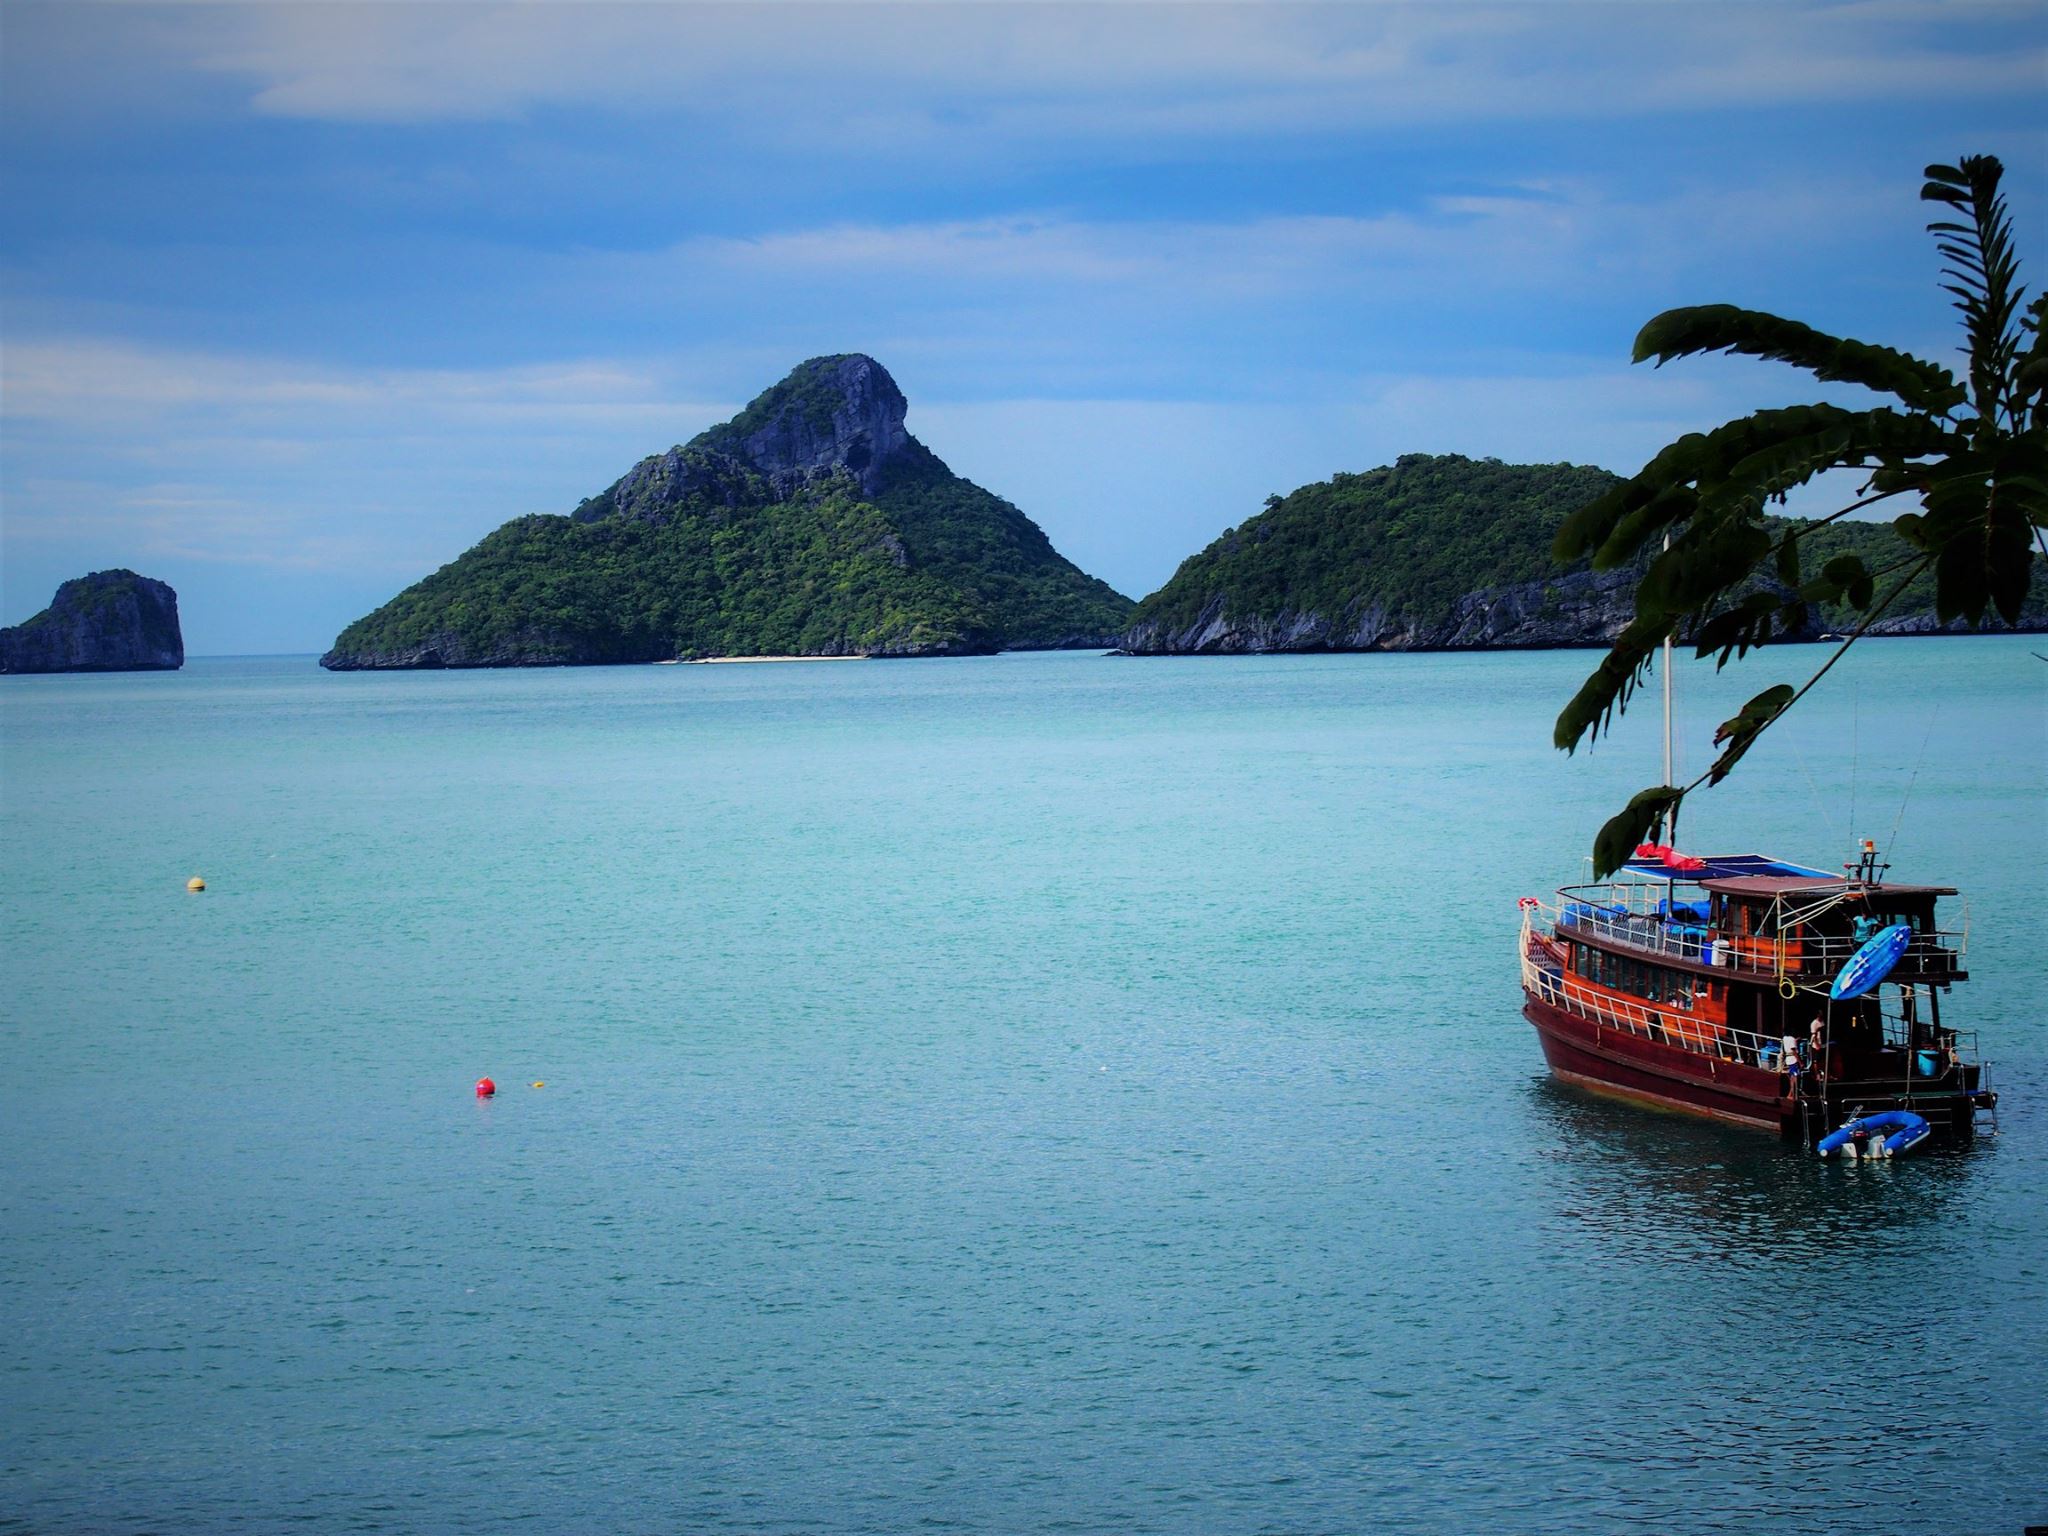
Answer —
1667 687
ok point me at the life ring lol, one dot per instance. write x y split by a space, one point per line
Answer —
1528 903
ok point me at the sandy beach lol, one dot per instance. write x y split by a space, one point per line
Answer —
712 661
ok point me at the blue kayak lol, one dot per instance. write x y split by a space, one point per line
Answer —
1872 963
1907 1130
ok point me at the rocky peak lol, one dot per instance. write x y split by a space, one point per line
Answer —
829 414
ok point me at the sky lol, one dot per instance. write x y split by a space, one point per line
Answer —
300 300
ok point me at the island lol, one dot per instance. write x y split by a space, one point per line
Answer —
1444 552
811 524
108 621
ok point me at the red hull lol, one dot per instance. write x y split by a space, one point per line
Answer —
1614 1061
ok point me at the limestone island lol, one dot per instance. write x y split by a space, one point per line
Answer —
812 524
1443 552
110 621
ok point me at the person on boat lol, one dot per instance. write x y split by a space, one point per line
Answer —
1788 1059
1816 1049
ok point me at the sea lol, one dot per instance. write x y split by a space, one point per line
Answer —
1040 1093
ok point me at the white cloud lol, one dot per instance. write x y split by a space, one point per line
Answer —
81 381
1010 285
891 73
190 455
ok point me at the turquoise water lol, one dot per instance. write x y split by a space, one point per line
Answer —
1043 1093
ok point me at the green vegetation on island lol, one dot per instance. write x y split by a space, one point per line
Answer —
1433 551
810 524
1405 542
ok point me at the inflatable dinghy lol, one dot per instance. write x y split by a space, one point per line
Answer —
1906 1131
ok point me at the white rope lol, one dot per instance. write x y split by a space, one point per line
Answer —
1906 798
1819 799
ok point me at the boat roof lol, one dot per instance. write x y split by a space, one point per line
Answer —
1699 869
1786 885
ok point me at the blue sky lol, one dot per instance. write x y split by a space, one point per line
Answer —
298 301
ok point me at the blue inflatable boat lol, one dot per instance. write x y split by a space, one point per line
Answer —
1906 1131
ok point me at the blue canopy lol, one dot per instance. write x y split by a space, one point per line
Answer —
1726 866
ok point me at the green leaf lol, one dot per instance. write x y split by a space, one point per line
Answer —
1698 568
1852 579
1741 730
1705 328
1788 562
1736 631
1637 823
1739 466
1610 686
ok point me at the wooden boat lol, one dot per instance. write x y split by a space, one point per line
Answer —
1702 984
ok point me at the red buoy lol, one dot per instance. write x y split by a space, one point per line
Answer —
485 1087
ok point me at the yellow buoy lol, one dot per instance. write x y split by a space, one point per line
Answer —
195 884
540 1085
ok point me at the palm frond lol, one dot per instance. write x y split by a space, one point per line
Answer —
1738 467
1986 283
1701 328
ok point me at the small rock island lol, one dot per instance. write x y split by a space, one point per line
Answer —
110 621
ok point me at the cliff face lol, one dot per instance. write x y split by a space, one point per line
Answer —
110 621
832 414
810 524
1581 608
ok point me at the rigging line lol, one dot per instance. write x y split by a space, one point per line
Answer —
1914 778
1818 798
